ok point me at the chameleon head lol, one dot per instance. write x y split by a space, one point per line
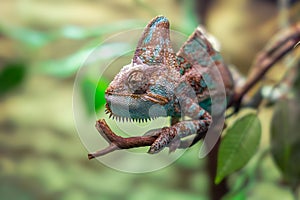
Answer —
147 82
137 88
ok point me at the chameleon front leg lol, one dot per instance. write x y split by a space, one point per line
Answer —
199 125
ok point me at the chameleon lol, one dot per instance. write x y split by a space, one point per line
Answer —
181 83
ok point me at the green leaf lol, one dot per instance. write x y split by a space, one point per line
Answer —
240 195
31 38
79 33
36 39
285 139
93 94
64 67
69 65
11 76
238 145
296 83
190 19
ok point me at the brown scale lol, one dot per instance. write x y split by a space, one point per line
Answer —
194 82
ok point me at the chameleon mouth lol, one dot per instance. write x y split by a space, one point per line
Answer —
123 119
134 107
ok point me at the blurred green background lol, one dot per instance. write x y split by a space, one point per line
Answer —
43 42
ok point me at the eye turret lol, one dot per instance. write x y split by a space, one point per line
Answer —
137 82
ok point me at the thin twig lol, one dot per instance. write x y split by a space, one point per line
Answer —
112 147
283 42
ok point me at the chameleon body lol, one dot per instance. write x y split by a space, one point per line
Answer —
160 83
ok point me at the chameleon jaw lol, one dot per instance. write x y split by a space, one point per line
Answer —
133 107
123 119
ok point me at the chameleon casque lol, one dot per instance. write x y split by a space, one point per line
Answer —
159 77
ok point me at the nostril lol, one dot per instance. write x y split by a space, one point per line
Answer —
108 91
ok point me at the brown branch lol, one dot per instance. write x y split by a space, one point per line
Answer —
217 191
281 44
116 142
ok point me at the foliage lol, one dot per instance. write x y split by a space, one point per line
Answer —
11 76
286 139
94 99
238 145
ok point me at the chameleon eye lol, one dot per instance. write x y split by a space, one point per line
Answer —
137 82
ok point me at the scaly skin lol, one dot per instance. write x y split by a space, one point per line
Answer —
182 84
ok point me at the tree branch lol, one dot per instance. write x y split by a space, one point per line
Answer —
281 44
116 142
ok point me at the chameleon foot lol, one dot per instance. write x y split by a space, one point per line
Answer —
166 135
